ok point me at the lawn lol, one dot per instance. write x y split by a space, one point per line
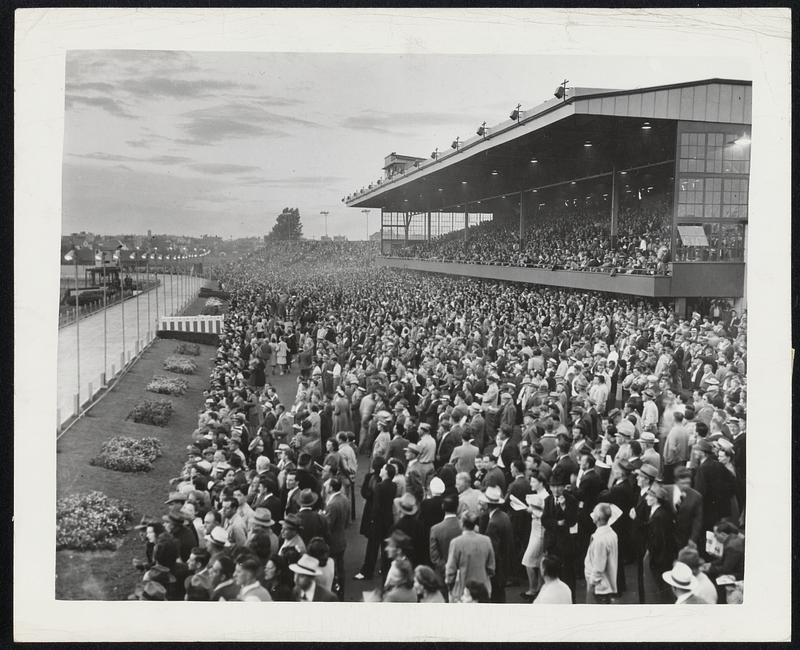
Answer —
109 575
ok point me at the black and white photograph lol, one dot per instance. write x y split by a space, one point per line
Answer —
354 325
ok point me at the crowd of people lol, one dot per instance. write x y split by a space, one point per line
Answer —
572 237
575 446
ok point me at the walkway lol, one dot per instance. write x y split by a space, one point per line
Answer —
137 329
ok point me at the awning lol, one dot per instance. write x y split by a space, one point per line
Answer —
693 235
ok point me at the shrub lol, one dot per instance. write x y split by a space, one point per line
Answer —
125 454
168 385
156 412
180 364
90 521
188 348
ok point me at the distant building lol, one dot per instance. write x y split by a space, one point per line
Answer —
339 238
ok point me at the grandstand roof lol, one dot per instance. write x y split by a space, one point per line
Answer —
553 134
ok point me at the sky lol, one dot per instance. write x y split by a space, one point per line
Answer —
219 143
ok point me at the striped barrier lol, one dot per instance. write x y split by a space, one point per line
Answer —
192 324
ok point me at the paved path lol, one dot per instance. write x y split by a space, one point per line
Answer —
95 358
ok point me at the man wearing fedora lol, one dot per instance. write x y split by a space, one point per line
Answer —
337 514
649 455
411 525
683 583
499 531
263 521
646 476
291 528
313 523
305 570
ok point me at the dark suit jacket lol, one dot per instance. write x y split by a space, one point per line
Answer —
718 486
661 542
321 595
500 532
337 514
439 542
382 516
412 526
624 495
564 468
430 511
689 520
314 525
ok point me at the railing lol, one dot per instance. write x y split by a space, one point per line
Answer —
196 324
620 270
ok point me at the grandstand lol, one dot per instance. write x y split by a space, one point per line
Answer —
641 192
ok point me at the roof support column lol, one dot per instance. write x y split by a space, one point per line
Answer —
614 208
407 221
521 219
428 234
382 253
466 221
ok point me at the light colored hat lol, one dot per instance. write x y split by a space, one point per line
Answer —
648 437
493 494
626 428
437 486
307 566
218 535
680 576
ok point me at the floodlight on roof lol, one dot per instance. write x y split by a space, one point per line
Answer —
561 91
515 113
455 144
482 130
646 126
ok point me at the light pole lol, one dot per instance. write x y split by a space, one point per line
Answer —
138 291
118 257
147 281
366 212
325 213
100 256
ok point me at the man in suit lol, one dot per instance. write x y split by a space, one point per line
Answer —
379 520
442 534
411 525
337 515
505 451
565 467
268 498
715 483
520 488
501 534
306 588
689 517
493 474
313 523
589 485
471 558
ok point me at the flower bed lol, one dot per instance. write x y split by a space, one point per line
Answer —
168 385
90 521
126 454
156 412
180 364
191 349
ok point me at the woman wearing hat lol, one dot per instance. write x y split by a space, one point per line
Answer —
541 507
660 544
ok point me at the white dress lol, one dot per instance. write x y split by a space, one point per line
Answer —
535 550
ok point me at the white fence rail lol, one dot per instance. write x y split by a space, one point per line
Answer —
197 324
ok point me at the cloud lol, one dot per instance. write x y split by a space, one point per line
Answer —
290 181
113 157
112 106
222 168
142 143
387 122
97 86
168 160
236 120
108 157
177 88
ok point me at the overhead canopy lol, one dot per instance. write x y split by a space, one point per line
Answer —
550 145
693 235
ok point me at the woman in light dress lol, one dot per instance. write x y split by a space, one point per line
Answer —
540 507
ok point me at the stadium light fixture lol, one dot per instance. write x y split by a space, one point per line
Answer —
435 153
481 130
455 144
515 113
587 144
534 161
463 182
646 126
561 91
495 172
